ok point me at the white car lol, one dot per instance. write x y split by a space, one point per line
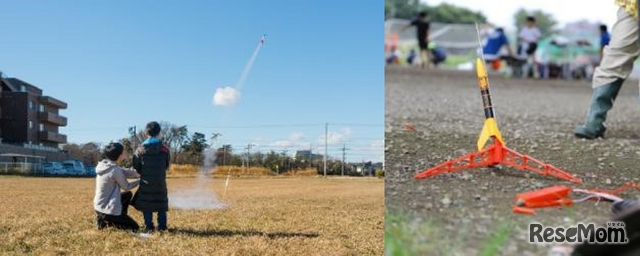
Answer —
54 168
73 167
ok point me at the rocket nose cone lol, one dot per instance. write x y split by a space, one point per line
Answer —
480 69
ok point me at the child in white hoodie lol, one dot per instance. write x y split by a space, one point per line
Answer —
109 203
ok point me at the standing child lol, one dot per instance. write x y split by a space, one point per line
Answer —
529 36
110 205
151 160
422 25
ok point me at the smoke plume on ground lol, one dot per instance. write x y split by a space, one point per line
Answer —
200 194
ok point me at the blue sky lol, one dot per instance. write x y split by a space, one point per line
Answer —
123 63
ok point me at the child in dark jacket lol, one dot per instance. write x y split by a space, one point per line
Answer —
151 160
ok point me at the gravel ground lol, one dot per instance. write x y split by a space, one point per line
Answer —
468 212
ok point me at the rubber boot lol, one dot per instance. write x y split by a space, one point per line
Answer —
601 102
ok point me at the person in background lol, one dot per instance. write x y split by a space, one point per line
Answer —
394 56
529 36
422 25
496 41
605 37
438 54
616 65
411 58
110 204
151 160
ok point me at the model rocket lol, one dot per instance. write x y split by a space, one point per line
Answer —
490 128
264 37
497 153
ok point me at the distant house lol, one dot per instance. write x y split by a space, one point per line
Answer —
368 168
307 155
30 120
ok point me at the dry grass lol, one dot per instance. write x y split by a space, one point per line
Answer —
182 169
241 171
305 172
286 216
187 170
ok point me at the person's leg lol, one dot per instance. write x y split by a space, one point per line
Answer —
121 222
162 221
126 222
100 222
616 65
125 199
424 53
148 220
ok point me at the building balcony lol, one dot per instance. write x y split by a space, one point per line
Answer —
52 136
52 118
53 102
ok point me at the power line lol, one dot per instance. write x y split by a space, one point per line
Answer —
237 126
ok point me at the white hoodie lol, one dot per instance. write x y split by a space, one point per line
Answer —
110 178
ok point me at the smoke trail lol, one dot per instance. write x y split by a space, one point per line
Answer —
247 68
227 96
200 195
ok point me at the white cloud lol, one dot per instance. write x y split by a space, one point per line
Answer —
296 140
226 96
335 137
376 146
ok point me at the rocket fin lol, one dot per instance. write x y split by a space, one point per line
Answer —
490 129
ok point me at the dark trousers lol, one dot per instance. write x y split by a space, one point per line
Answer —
162 220
123 221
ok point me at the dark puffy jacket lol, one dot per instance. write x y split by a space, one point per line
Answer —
151 161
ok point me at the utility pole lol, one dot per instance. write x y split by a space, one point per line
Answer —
134 137
344 151
326 150
248 148
284 154
224 154
310 155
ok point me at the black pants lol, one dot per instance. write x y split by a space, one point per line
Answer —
121 222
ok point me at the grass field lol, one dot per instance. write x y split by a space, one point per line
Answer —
266 216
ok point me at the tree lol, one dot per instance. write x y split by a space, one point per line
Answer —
257 159
88 153
73 150
544 21
129 150
387 10
272 162
177 136
443 13
194 148
403 9
223 154
448 13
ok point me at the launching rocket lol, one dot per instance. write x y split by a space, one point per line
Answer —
490 128
264 36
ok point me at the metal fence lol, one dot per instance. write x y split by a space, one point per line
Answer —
36 169
21 168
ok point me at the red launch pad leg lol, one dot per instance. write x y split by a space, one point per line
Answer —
494 155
